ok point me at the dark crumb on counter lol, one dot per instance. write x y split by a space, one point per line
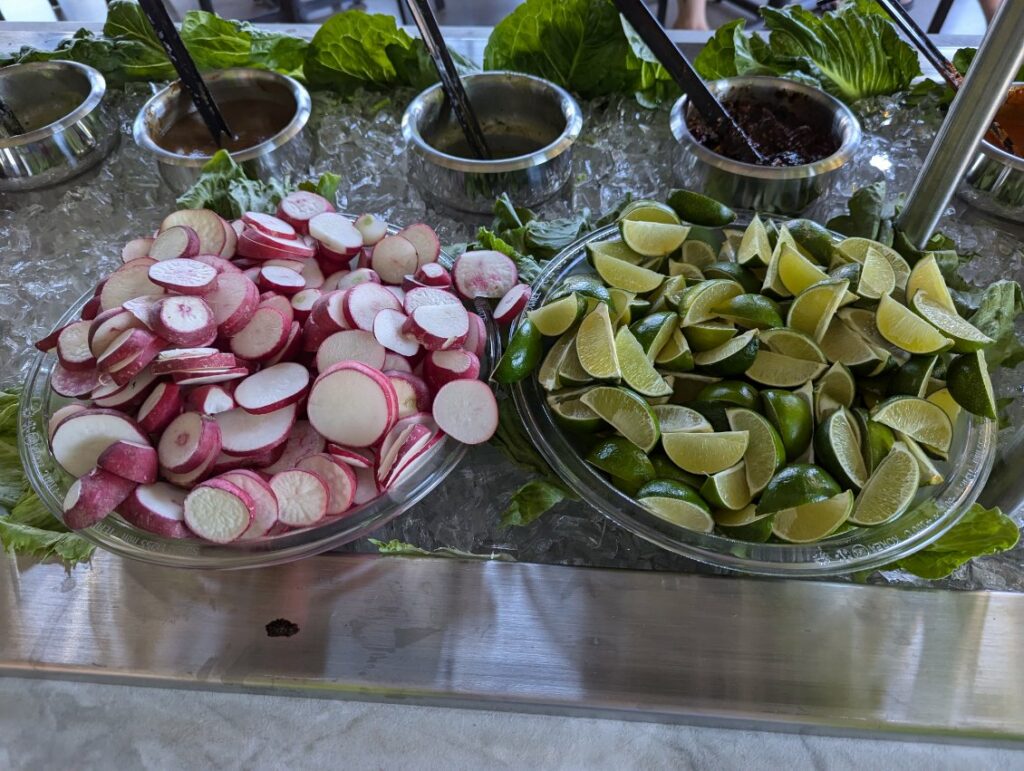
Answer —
787 131
281 627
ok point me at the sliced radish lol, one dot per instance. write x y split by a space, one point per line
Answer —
302 497
409 445
105 328
73 347
433 274
366 486
371 227
339 477
128 282
273 388
362 303
392 258
397 363
350 345
440 367
218 510
370 398
180 360
264 335
358 276
423 296
328 312
161 407
398 292
125 346
210 399
73 383
292 347
124 397
130 460
157 508
212 376
280 302
230 241
49 343
125 372
466 410
350 457
184 276
233 302
136 249
412 454
60 415
331 281
185 321
276 279
218 262
264 515
389 329
207 224
484 273
312 274
476 338
299 207
259 246
188 442
91 309
302 442
269 224
296 265
79 440
190 478
438 327
243 433
303 302
175 241
426 242
313 335
93 497
143 309
512 304
337 233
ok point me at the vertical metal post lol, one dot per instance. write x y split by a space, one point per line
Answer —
982 94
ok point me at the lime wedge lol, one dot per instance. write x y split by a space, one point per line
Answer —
796 485
926 277
779 371
728 269
547 375
755 248
595 345
765 452
619 308
772 280
685 269
675 417
675 355
968 382
678 512
913 376
705 453
837 448
669 295
890 489
700 209
671 487
732 358
966 337
700 301
904 329
876 276
751 311
556 317
654 331
652 239
521 355
790 342
790 415
841 344
636 369
813 521
623 460
876 439
797 273
727 489
835 389
570 371
698 254
737 517
588 286
929 474
623 275
615 248
666 471
574 415
709 334
732 392
945 399
813 309
856 249
626 412
923 421
647 210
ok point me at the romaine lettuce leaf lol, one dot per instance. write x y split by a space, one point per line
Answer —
224 187
1000 305
981 532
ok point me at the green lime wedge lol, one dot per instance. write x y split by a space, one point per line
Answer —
876 439
790 415
727 489
797 273
623 275
796 485
622 460
652 239
705 453
913 376
685 269
779 371
619 309
666 470
813 309
709 334
837 449
926 277
856 249
966 337
732 358
772 283
945 399
754 248
841 344
698 254
669 295
678 512
672 488
570 371
751 311
969 384
700 209
588 286
675 355
765 452
615 248
522 354
654 331
790 342
728 269
637 370
813 521
647 210
835 389
700 301
876 276
675 417
595 345
574 415
889 490
905 329
556 317
731 392
737 517
547 375
930 475
627 413
923 421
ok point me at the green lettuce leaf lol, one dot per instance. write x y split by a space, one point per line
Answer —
998 309
964 56
217 43
12 478
528 267
867 209
530 501
327 186
731 52
403 549
981 532
654 85
224 187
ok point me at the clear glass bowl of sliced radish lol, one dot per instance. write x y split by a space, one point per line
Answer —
246 393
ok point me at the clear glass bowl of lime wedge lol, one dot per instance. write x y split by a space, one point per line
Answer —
935 510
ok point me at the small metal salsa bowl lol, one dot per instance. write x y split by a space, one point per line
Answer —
68 128
782 190
995 181
262 161
532 119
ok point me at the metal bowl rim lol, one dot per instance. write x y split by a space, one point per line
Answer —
97 89
844 154
303 108
570 111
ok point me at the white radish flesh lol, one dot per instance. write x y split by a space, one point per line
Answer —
425 240
73 347
292 347
167 365
157 508
60 415
269 224
302 442
207 225
484 273
362 303
350 345
272 388
476 338
302 497
130 460
125 346
128 282
161 407
389 329
433 274
243 433
233 302
213 376
125 372
264 515
219 264
299 207
312 274
184 276
466 410
175 241
230 241
303 302
210 399
123 397
277 279
218 511
92 497
366 486
512 304
185 321
105 328
337 233
279 302
79 440
413 393
358 276
188 442
264 335
422 296
438 327
393 257
441 367
135 249
372 404
73 383
339 478
371 227
396 362
350 457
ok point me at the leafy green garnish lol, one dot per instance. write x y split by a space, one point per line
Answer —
528 267
868 211
403 549
981 532
530 501
327 186
218 43
224 187
526 232
964 56
653 84
1000 305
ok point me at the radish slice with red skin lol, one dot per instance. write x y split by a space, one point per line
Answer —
91 309
260 247
337 233
441 367
410 458
125 372
512 304
350 345
425 241
299 207
128 282
410 283
282 280
79 440
218 510
105 328
302 442
233 302
167 365
388 328
433 274
60 416
92 497
230 241
188 442
161 407
243 433
279 302
466 410
133 461
184 276
73 383
269 224
484 273
303 302
296 265
349 457
362 303
329 312
438 327
143 309
175 241
136 249
476 338
312 274
49 343
263 498
207 224
253 274
413 394
371 227
392 258
302 497
264 335
366 486
396 362
125 346
390 446
331 261
191 478
313 335
127 396
210 399
184 321
416 441
218 263
339 478
273 388
157 508
357 277
292 348
423 296
370 398
73 347
213 376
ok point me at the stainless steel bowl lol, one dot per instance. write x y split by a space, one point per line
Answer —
534 121
68 128
784 190
263 160
994 183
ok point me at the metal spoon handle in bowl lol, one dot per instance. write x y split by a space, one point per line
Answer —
450 80
186 68
686 77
